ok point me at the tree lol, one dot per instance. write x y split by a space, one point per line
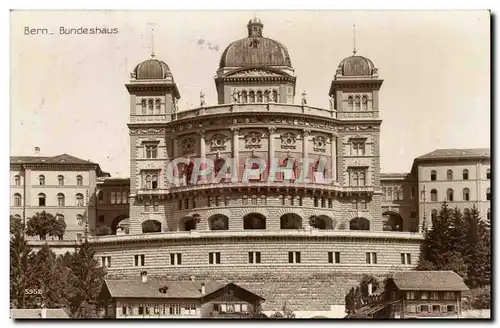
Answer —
43 224
16 225
358 296
46 275
89 277
20 253
482 300
460 243
286 313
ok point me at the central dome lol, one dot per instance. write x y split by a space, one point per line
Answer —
255 50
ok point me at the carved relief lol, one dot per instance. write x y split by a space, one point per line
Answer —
288 141
218 142
253 140
137 131
187 145
319 144
253 72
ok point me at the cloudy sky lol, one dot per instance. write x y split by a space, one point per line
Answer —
68 94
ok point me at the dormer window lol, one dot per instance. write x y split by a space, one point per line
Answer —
163 290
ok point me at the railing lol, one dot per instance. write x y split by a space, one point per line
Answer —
256 184
256 108
197 234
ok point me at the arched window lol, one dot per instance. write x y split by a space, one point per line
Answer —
150 106
259 96
124 197
79 219
434 214
79 180
41 180
266 96
488 174
158 106
354 179
488 194
359 224
364 103
251 97
113 197
465 174
17 200
349 103
466 194
60 180
362 180
434 195
449 175
449 195
143 106
395 193
401 193
290 221
357 103
17 180
218 222
389 193
254 221
384 193
118 197
433 175
79 199
41 199
60 199
244 97
275 96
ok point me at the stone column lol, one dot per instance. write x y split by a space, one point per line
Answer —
271 149
235 154
334 157
203 155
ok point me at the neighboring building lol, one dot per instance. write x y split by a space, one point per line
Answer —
43 313
460 177
62 185
112 205
147 299
417 294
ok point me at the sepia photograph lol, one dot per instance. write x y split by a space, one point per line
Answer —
250 164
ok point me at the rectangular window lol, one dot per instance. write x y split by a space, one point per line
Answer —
405 258
146 207
151 151
436 308
194 203
371 258
434 295
101 218
78 236
450 308
175 259
315 201
410 295
330 203
139 260
156 207
245 200
106 261
323 204
186 203
334 257
124 310
214 258
179 207
293 257
253 257
175 309
141 310
424 308
424 296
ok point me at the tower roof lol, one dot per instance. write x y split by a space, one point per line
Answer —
255 50
152 69
356 66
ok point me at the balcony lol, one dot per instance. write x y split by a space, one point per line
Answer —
334 187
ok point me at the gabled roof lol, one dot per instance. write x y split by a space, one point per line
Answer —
151 288
429 281
456 153
37 314
59 159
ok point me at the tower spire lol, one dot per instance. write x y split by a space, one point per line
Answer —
152 43
354 51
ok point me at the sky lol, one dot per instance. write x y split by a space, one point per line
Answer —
68 93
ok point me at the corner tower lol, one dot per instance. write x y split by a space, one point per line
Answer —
153 104
255 70
355 88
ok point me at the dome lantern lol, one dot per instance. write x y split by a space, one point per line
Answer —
255 27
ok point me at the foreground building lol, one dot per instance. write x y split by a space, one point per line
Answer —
291 233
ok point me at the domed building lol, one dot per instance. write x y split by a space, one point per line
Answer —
287 198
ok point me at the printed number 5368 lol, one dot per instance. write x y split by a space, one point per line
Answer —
33 291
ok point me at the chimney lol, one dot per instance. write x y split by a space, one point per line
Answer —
43 313
370 288
202 289
144 276
37 151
